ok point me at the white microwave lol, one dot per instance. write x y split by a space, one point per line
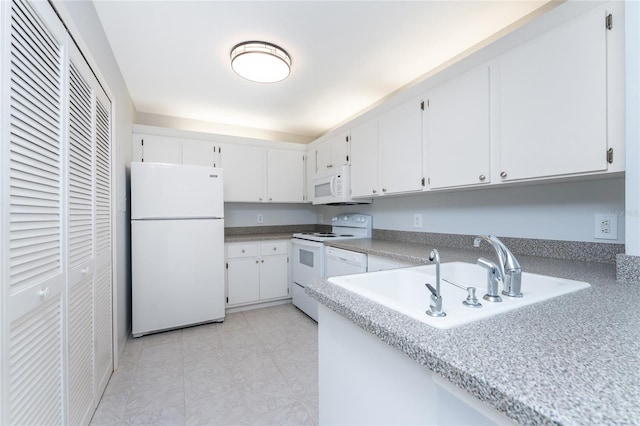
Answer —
334 187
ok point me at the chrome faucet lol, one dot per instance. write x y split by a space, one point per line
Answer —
509 269
435 307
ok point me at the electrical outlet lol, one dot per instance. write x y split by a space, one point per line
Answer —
606 227
417 220
260 218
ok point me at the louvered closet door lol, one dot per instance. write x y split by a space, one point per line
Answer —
80 241
103 286
32 219
89 241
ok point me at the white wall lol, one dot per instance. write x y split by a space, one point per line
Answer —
632 54
559 211
246 214
85 27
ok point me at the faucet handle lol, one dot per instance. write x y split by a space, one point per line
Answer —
494 279
431 289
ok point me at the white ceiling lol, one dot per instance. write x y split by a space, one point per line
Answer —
347 55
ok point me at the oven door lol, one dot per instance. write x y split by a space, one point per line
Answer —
308 264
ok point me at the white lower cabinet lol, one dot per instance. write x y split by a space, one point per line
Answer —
257 272
364 381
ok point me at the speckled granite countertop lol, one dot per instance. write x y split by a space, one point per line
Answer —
257 237
571 360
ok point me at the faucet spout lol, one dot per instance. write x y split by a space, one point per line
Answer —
435 307
508 265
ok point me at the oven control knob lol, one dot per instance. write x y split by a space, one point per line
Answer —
345 218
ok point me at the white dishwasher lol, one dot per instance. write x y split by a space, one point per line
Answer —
344 262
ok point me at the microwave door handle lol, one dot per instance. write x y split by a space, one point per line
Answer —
332 185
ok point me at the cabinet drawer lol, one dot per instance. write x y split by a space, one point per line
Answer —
242 250
274 247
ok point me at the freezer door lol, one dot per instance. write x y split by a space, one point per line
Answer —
178 273
175 191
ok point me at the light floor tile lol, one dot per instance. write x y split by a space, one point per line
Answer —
258 367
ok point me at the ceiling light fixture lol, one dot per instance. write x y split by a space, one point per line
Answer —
260 61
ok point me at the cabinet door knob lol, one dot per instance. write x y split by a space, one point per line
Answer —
257 261
384 189
375 192
275 248
270 199
262 261
44 293
242 250
503 174
482 177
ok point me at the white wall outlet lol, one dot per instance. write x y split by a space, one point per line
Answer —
606 227
417 220
260 218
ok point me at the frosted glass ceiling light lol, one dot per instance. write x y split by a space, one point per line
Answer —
260 61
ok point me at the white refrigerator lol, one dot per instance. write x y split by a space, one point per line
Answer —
177 246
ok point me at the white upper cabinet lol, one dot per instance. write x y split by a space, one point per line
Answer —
252 174
285 176
457 131
244 173
548 108
259 175
157 149
331 154
552 94
401 149
200 153
365 167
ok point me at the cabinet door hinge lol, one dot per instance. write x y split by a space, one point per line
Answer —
422 105
346 138
227 265
609 21
227 300
610 156
423 181
287 259
287 291
347 158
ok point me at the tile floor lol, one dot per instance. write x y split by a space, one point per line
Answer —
258 367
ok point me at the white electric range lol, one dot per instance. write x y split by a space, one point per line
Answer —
309 255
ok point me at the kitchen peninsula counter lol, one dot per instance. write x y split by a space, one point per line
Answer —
570 360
